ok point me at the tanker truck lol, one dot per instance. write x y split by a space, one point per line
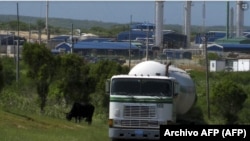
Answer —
150 95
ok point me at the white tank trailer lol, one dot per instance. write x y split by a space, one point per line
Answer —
152 94
187 94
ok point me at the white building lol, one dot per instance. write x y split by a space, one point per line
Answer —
239 65
242 65
217 65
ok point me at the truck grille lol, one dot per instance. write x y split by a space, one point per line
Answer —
139 123
139 112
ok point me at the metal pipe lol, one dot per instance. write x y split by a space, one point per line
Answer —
129 64
227 28
159 6
188 21
72 39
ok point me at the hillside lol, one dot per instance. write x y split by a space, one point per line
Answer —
17 126
87 24
58 22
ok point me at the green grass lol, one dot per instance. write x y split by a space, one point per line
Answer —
19 127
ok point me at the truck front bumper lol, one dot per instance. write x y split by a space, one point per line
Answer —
145 134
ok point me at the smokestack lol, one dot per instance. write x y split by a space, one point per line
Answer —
167 69
239 19
231 28
159 6
187 21
227 29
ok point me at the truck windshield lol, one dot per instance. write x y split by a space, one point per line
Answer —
141 87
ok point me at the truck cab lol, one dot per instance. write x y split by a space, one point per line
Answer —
139 105
151 95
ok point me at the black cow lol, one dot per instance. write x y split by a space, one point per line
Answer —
81 110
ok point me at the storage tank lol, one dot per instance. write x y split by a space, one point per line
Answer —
186 97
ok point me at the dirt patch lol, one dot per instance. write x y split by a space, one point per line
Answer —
26 34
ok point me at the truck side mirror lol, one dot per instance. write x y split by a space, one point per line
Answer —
107 86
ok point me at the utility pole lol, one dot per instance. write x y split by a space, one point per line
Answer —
17 57
207 78
13 43
72 39
205 38
203 16
29 32
47 15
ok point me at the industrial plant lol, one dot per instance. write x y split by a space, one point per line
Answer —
144 40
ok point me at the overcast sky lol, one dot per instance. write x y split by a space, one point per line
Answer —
120 11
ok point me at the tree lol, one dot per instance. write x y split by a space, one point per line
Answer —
99 73
8 70
244 114
41 68
228 99
13 25
73 78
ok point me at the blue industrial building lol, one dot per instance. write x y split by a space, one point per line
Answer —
134 34
174 40
6 39
61 38
137 30
245 48
177 54
141 37
143 26
218 35
98 48
211 39
170 40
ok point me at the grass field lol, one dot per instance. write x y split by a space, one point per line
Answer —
20 127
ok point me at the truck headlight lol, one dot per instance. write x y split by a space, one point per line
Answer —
112 122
